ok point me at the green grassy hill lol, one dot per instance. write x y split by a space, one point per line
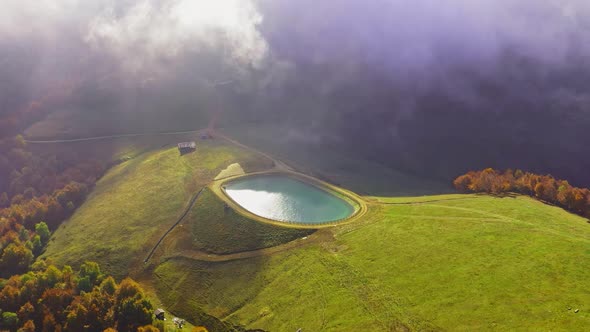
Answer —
137 201
475 263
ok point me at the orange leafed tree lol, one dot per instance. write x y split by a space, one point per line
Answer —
542 187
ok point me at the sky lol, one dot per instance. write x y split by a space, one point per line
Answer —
415 44
142 40
390 34
414 35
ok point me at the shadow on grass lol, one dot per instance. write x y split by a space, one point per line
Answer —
206 292
338 167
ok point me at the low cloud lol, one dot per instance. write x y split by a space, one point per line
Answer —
140 40
398 36
150 33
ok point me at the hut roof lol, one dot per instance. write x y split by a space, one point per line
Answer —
187 145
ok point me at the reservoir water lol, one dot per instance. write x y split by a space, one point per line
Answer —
284 198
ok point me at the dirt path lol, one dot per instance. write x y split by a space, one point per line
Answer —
317 237
96 138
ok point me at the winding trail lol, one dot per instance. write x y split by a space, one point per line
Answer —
318 236
186 211
97 138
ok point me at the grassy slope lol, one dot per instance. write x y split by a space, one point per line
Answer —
218 231
137 201
481 263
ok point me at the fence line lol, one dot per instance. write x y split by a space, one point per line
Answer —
190 206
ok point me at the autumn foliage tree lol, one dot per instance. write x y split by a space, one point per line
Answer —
37 192
542 187
52 300
132 309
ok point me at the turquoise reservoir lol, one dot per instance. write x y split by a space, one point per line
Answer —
284 198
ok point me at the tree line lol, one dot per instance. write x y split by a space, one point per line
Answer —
543 187
38 192
50 299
